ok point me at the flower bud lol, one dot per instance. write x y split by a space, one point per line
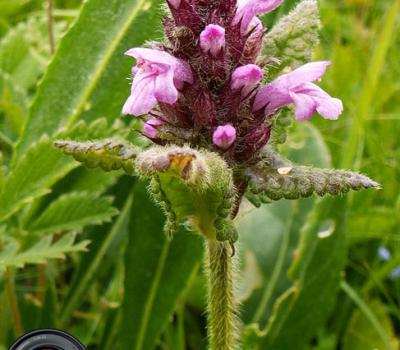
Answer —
224 136
150 127
246 78
212 39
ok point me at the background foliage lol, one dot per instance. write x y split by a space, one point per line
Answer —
84 251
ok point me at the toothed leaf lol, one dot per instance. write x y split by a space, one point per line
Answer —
293 39
277 178
107 155
72 212
42 251
32 177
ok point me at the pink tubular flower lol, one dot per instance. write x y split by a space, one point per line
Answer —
158 75
212 39
150 127
224 136
296 87
175 3
246 78
248 9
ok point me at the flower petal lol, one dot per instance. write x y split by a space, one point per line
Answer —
165 90
327 106
151 55
272 98
305 106
142 98
309 72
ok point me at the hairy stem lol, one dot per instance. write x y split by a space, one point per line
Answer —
222 314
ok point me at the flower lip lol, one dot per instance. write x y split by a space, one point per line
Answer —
212 39
296 87
224 136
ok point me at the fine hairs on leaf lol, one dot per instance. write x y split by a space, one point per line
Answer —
294 38
277 178
72 212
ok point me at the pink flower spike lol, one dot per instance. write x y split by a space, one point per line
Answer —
158 75
174 3
224 136
297 88
246 78
150 127
248 9
212 39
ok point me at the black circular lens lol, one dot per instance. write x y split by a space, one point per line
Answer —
47 339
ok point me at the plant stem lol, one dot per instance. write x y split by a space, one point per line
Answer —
50 25
222 314
14 303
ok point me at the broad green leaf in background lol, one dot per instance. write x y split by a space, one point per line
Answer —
8 7
157 273
274 246
315 274
42 251
283 223
72 212
362 335
89 69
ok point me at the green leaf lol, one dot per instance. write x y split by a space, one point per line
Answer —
157 272
89 68
361 333
8 7
293 39
276 178
108 155
102 239
37 170
13 104
18 56
43 250
315 274
72 212
295 304
42 166
271 232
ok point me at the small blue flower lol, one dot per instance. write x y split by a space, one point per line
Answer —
395 273
384 254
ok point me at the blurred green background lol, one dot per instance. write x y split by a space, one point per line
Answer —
97 296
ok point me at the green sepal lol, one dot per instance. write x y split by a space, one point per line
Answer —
293 39
193 187
108 155
277 178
